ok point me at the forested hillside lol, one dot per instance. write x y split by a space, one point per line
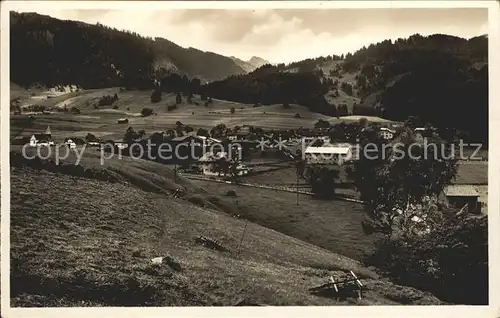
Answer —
50 51
441 79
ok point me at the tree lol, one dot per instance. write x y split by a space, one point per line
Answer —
347 88
232 110
221 166
322 124
218 131
233 170
146 112
90 137
131 136
300 164
156 96
202 132
452 253
322 181
178 98
195 85
393 179
156 138
363 122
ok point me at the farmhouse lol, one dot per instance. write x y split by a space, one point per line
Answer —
387 133
210 167
76 140
208 141
459 196
310 140
328 155
118 144
70 143
421 133
41 140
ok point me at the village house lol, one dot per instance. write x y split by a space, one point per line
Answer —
460 196
327 155
43 139
209 166
72 142
422 132
308 140
387 133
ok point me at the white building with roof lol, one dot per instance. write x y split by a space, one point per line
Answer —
387 133
463 196
336 155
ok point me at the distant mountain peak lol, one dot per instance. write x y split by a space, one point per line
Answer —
248 66
257 62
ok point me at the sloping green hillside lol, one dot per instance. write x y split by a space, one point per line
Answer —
83 242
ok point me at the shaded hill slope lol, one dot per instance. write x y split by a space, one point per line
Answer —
96 56
80 241
434 78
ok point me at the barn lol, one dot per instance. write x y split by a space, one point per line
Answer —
459 196
328 155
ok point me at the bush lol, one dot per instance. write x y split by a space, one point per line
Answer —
231 193
297 115
107 100
115 107
171 107
286 105
347 88
232 110
321 123
75 110
90 137
453 255
203 132
146 112
156 96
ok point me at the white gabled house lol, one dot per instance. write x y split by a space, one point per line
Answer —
328 155
387 133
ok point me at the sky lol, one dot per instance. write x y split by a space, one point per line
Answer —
284 35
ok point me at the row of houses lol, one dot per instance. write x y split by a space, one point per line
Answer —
46 139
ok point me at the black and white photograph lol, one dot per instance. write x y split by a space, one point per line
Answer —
261 155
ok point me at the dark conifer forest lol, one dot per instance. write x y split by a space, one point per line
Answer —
441 79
